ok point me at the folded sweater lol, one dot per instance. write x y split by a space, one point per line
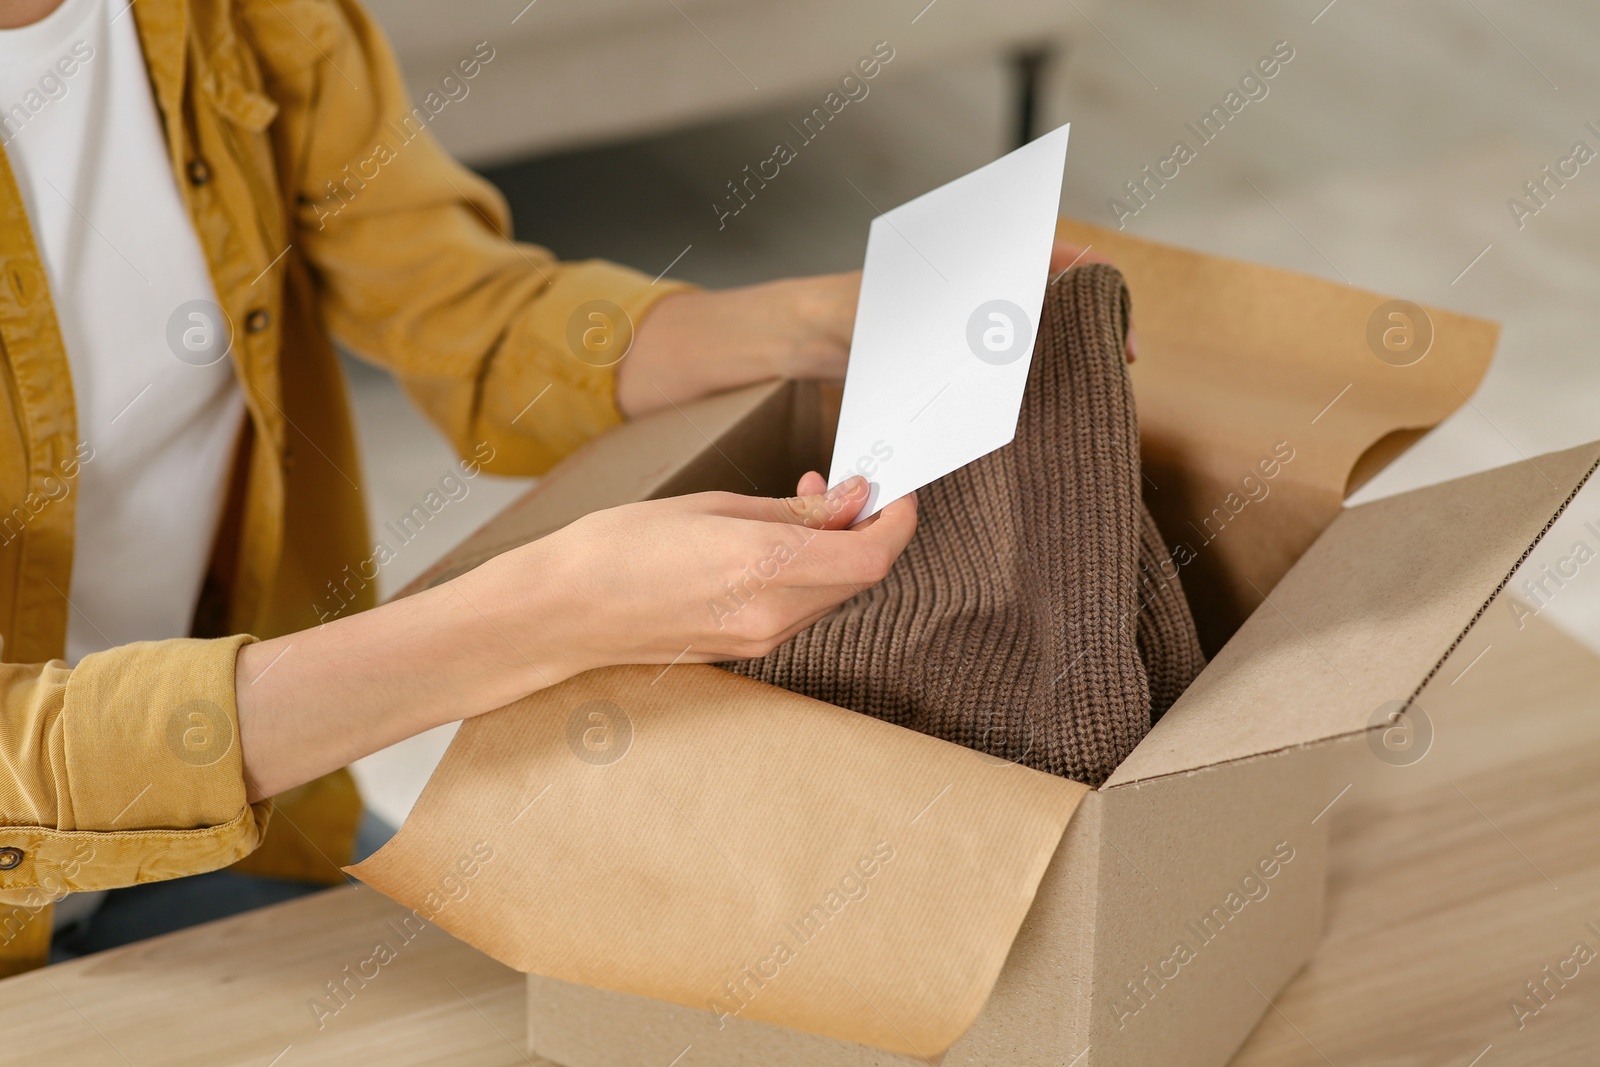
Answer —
1036 615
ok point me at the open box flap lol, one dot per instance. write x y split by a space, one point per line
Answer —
705 839
1364 618
1241 365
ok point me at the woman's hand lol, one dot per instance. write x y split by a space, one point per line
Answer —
704 342
691 579
697 343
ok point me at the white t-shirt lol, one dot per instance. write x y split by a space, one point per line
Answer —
80 128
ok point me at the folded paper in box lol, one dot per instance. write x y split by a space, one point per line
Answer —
788 862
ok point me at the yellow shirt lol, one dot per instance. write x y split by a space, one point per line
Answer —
324 208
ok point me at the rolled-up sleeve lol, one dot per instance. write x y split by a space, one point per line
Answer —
509 350
123 769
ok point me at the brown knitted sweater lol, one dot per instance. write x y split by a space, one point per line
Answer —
1036 615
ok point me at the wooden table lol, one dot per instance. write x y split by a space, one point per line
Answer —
1454 881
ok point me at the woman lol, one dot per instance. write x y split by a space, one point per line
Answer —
196 197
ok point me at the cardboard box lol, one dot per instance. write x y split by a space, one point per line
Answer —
1182 894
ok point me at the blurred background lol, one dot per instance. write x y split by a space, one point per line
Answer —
1383 154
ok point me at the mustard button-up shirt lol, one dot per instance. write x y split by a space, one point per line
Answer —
326 210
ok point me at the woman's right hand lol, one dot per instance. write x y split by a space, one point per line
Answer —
692 579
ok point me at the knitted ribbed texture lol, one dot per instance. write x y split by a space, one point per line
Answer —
1035 615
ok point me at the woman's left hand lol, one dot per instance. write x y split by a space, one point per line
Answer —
704 342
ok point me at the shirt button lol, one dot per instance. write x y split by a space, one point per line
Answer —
10 858
199 172
257 320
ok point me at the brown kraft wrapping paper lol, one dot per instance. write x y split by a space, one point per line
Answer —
714 842
1245 369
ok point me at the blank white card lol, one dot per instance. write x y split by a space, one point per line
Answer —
951 296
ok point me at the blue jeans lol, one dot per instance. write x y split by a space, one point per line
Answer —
142 911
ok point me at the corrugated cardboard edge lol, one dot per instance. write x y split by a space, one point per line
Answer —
1510 573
